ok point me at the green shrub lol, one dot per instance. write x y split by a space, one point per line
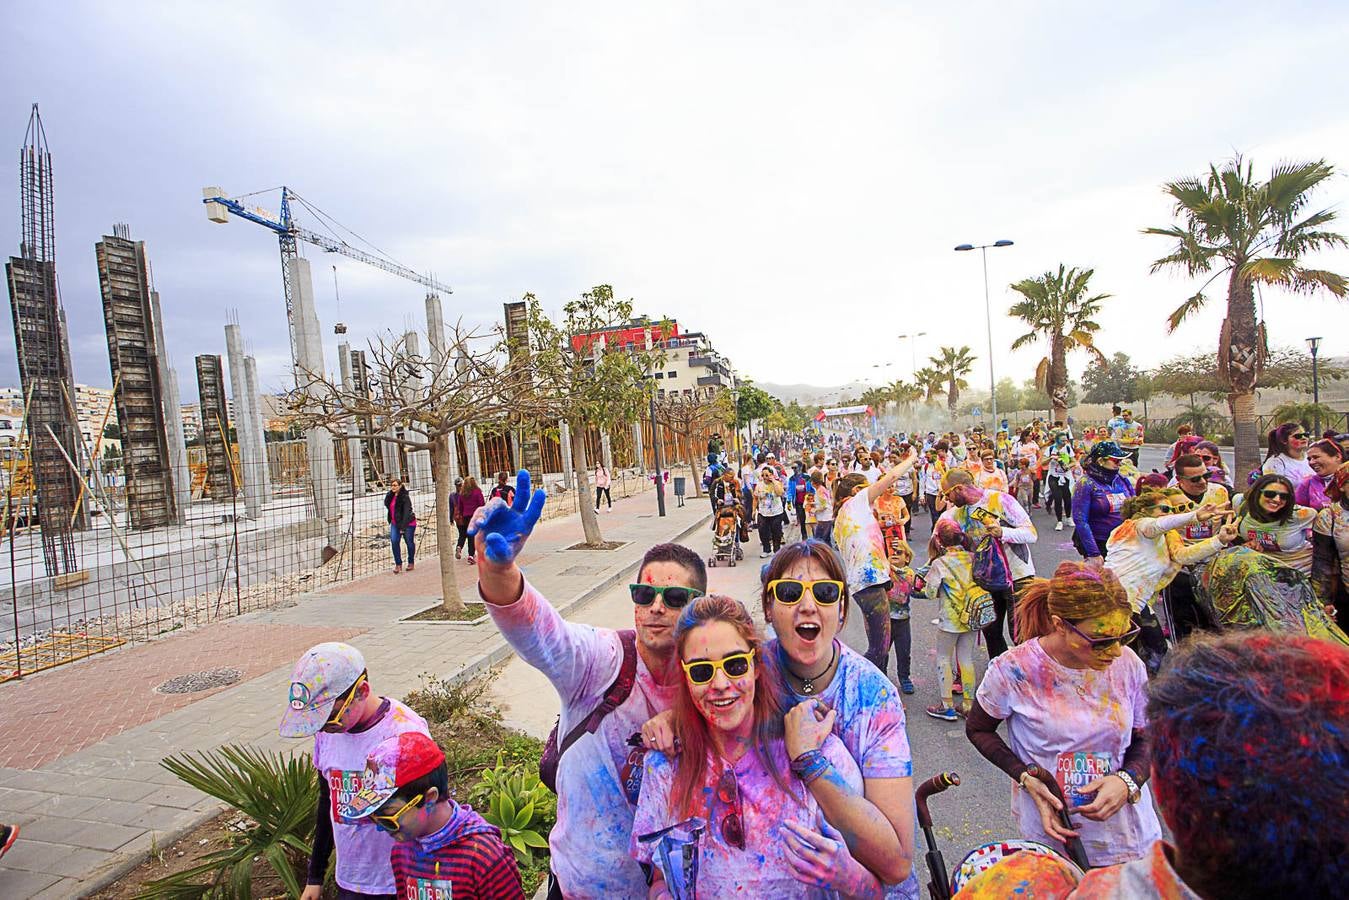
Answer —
277 793
439 700
513 799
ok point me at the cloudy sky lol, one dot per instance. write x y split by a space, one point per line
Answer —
788 177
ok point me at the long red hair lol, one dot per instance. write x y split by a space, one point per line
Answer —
690 789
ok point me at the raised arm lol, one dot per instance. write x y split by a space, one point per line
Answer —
887 480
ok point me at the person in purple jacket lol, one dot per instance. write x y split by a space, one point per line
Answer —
1098 501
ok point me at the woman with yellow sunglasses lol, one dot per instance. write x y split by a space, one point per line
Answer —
760 834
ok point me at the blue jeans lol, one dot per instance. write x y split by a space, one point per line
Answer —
408 535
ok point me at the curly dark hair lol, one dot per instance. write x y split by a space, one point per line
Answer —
1249 751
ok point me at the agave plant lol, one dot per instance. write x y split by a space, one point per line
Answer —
277 793
515 801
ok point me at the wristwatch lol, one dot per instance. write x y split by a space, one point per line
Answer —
1135 793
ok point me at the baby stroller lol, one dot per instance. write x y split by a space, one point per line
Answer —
726 527
942 887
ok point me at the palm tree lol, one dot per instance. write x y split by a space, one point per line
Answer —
908 394
1254 233
1056 306
951 365
929 381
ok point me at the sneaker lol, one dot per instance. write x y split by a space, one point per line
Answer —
906 685
945 713
8 835
411 567
764 555
1059 525
398 570
458 552
472 561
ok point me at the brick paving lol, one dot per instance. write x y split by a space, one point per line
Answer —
51 715
80 746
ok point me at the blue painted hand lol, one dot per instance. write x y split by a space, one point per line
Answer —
506 528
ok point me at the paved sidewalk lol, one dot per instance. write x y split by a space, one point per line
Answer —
80 747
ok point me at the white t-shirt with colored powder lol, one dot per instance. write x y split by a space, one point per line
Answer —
362 850
590 841
869 721
1077 722
762 868
858 537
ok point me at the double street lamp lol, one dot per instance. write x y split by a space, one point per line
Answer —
988 314
1314 344
913 350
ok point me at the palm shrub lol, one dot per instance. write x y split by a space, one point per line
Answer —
277 793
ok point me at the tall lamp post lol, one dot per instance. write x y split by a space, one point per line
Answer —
913 350
988 314
1314 344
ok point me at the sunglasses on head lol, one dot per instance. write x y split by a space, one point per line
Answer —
702 671
1274 495
673 596
390 823
789 591
1099 644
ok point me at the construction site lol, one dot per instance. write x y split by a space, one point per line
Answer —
174 532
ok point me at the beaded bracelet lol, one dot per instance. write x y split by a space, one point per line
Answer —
810 765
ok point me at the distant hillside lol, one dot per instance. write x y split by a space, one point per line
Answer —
811 394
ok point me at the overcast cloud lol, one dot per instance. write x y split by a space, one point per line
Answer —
788 177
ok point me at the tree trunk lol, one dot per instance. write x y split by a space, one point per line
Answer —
1058 380
695 471
952 398
590 523
445 530
1240 355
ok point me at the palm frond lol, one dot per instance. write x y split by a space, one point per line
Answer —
1184 311
1309 281
1042 375
1025 339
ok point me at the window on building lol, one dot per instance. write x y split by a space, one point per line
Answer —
672 375
660 375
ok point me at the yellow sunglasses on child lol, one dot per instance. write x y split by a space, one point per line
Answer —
390 823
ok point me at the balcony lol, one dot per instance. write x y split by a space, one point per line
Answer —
708 361
712 381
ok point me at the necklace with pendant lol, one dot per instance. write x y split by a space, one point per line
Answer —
808 684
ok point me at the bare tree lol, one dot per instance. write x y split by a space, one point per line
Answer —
689 415
584 376
427 399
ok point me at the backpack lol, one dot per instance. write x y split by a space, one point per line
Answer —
614 697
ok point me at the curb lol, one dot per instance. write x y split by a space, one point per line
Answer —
498 654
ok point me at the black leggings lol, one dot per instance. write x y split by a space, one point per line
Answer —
1004 606
801 518
605 492
462 528
930 501
1060 500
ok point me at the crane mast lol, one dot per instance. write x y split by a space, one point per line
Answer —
219 208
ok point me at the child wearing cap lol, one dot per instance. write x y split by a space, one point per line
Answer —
331 698
441 850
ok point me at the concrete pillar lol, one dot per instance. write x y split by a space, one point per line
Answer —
439 353
245 423
414 388
180 477
389 456
265 470
518 448
453 438
471 448
606 451
564 446
309 358
355 446
637 446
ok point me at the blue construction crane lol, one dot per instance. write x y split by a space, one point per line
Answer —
220 207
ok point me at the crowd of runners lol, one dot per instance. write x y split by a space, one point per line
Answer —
1186 675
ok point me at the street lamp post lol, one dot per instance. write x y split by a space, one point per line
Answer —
913 350
988 314
1314 344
